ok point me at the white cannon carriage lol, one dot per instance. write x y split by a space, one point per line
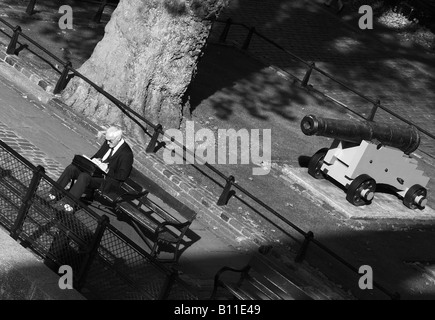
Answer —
366 154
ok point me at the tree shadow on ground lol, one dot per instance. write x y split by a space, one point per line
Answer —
398 76
228 79
350 55
75 45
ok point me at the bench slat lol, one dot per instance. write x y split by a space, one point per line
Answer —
261 279
264 291
166 216
238 292
149 223
272 275
134 213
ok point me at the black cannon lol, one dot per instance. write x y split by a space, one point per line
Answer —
366 153
405 138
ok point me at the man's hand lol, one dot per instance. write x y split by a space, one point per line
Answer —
103 166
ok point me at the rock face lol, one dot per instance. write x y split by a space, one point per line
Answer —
146 60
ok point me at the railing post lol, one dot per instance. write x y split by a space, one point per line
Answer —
31 7
374 109
248 38
61 83
227 193
27 202
93 247
224 33
308 74
153 142
99 13
14 40
302 251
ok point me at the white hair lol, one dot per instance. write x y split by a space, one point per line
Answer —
112 130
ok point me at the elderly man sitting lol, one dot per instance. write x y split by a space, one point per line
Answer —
115 157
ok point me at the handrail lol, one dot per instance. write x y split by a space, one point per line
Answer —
309 237
108 3
42 48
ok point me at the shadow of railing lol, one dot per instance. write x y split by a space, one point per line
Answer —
154 144
311 66
106 264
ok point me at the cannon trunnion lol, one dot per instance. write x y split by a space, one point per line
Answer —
366 154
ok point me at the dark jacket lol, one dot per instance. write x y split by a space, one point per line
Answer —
120 165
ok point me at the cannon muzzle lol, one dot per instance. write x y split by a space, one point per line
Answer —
403 137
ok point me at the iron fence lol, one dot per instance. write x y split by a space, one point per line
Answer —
106 264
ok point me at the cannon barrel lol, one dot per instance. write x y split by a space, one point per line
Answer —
403 137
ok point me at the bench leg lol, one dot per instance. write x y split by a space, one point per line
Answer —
177 247
215 288
155 251
142 235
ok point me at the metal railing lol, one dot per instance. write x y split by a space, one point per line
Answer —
308 237
106 264
30 9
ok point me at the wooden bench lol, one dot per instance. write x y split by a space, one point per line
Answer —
260 279
162 229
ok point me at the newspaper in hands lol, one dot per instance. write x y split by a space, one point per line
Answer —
103 166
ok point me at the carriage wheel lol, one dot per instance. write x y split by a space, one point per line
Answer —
361 191
415 197
316 162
